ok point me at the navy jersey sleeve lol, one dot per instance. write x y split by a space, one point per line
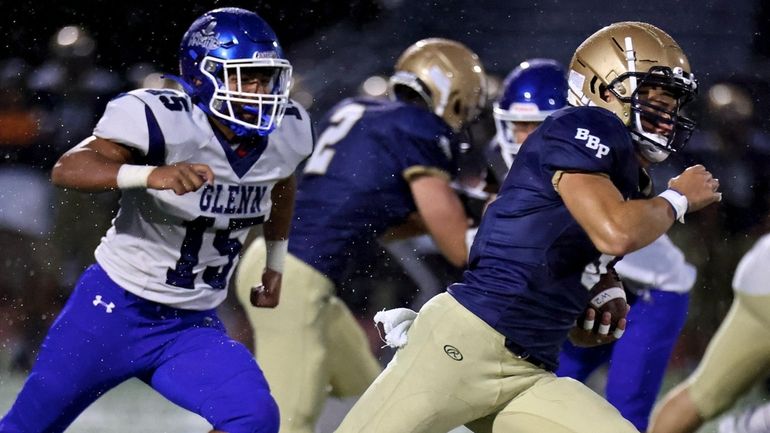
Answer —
423 146
585 140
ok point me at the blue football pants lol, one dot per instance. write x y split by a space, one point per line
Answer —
106 335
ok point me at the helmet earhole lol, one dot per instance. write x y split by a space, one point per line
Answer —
604 92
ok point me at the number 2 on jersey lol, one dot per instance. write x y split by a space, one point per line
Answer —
341 123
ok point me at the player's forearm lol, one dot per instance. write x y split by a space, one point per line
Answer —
85 169
443 215
276 231
278 226
450 239
616 226
632 225
643 221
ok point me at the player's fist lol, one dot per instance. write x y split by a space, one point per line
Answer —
698 185
267 294
182 177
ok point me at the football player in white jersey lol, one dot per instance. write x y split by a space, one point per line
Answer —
197 169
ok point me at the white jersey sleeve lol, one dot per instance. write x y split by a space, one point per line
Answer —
181 250
294 139
752 276
661 265
125 122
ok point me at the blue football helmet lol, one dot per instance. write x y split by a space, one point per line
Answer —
531 92
223 52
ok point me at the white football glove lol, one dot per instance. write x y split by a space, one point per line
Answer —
396 323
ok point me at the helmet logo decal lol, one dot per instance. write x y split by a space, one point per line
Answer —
206 37
575 81
631 59
443 85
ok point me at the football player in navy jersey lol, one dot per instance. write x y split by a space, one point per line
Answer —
657 276
483 354
380 168
196 169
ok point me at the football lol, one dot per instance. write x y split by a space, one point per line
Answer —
608 295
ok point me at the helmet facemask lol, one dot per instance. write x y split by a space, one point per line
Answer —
506 121
246 112
657 126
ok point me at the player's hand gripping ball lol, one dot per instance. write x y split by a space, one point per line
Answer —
607 296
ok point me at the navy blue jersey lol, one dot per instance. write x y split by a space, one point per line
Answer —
355 186
527 258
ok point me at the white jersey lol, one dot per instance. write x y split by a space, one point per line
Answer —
752 276
660 264
181 250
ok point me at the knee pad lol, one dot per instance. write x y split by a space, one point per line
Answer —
258 414
243 405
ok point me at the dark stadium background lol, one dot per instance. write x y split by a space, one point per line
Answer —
722 37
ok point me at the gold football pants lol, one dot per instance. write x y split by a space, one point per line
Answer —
310 346
455 370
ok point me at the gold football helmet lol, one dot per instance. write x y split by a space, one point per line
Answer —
632 61
447 76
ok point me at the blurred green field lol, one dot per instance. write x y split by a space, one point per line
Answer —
131 407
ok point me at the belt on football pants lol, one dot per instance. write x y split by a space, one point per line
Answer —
524 355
